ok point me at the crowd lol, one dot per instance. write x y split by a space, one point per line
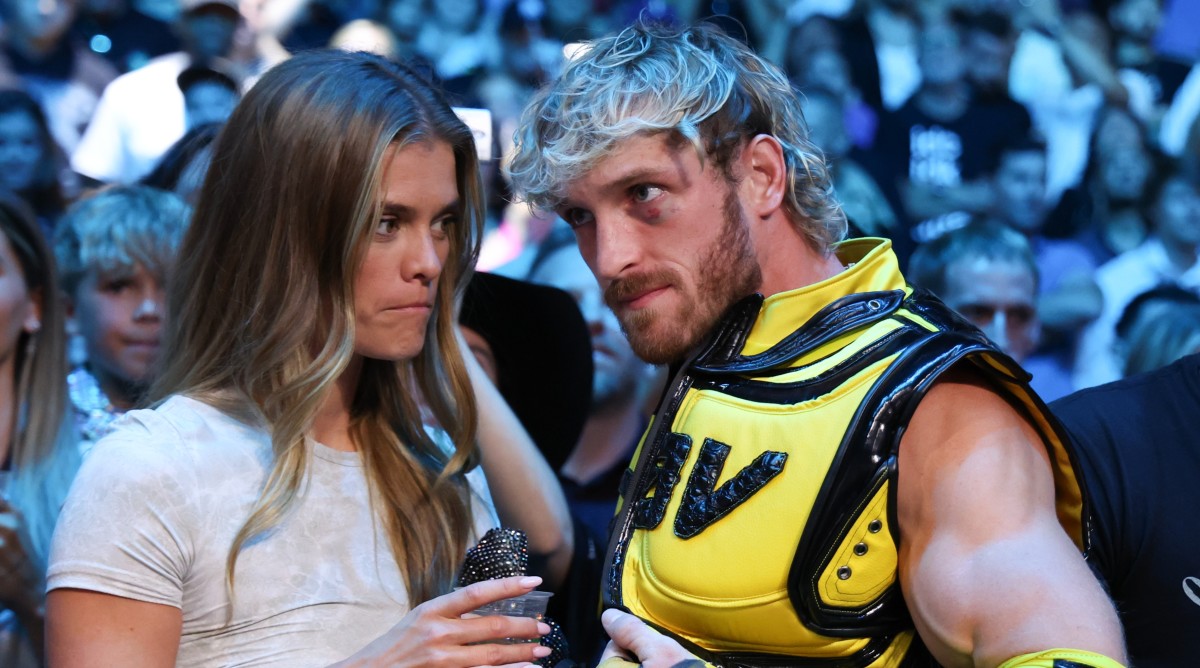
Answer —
204 203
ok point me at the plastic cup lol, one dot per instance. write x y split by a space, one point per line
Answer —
531 604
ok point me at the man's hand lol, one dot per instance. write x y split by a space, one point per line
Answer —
634 641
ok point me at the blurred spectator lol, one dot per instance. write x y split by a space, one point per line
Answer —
37 441
460 38
826 68
121 34
990 40
1158 327
1104 211
545 375
142 113
1068 299
405 18
931 155
116 249
30 160
527 59
1063 73
209 95
1150 78
591 474
184 166
985 271
66 78
865 205
1172 204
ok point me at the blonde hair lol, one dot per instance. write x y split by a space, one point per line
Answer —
699 84
261 308
116 228
45 448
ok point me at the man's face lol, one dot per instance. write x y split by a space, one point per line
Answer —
999 297
208 32
667 240
1020 185
208 102
617 369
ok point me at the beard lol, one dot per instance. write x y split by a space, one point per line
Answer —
728 271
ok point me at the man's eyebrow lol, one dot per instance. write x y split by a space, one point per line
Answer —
406 212
624 180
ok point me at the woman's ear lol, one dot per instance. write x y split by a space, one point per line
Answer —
765 175
33 321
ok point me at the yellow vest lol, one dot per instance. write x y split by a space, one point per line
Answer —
757 522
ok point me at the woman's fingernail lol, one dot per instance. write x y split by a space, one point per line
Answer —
541 651
531 581
543 628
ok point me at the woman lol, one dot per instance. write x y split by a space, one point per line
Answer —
283 504
30 160
37 444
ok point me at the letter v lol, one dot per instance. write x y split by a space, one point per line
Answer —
702 505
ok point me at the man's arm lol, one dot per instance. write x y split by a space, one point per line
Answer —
986 569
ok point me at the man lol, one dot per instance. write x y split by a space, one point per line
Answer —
986 273
1136 444
142 113
811 375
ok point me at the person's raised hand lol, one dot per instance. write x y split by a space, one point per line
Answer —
442 633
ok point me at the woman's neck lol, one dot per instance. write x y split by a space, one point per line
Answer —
331 424
8 407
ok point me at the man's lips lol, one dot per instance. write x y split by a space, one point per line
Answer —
641 298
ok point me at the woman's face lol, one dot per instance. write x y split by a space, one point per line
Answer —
1178 212
21 150
396 286
19 311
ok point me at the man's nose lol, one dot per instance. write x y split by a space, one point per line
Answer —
617 246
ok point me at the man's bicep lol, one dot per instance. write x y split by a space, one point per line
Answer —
987 571
87 628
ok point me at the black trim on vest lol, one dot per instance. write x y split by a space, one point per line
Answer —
846 314
811 388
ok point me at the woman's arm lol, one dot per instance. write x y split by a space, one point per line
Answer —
526 492
86 629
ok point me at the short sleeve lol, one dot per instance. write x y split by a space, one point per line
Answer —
128 523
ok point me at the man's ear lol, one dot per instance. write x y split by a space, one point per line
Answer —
765 180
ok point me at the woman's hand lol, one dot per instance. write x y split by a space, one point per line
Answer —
18 577
436 633
20 583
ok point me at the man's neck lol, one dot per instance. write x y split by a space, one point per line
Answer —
788 262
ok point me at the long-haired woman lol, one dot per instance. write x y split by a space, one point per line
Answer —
283 503
38 448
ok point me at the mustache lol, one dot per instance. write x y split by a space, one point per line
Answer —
623 289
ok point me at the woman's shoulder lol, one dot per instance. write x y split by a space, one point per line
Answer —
180 431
